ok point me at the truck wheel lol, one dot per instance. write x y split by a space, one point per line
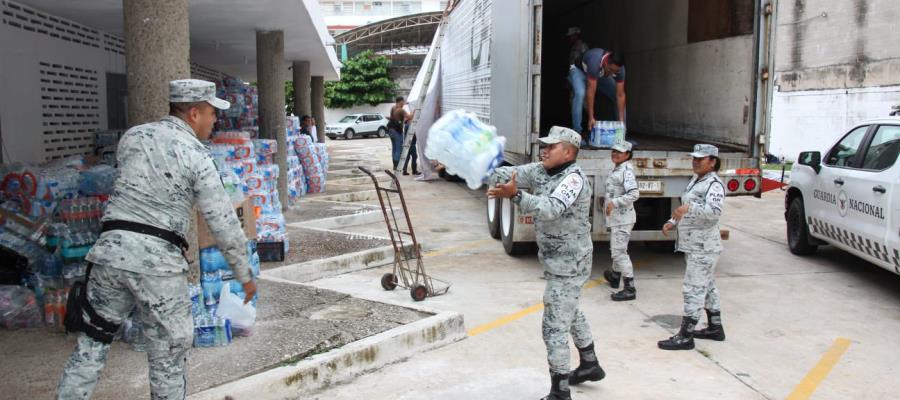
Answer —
797 229
507 230
493 217
382 132
348 134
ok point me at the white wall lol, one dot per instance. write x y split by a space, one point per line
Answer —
23 122
333 115
837 62
814 120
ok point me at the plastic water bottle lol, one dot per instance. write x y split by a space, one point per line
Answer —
466 146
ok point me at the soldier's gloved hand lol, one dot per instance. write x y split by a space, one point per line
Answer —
504 190
250 290
609 208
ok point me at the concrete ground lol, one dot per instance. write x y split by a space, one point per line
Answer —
821 327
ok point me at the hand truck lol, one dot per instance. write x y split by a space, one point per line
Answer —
405 275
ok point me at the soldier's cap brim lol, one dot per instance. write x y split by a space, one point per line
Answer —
549 140
700 154
219 103
620 149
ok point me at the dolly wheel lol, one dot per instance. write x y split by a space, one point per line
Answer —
418 292
389 281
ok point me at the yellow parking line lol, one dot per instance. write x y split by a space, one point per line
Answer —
808 385
514 316
505 320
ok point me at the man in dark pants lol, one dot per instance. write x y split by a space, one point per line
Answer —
396 120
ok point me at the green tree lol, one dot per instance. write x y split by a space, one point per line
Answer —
289 97
364 80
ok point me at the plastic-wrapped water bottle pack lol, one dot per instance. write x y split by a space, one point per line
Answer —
467 147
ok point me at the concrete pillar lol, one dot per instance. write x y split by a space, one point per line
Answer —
270 79
317 92
157 50
302 105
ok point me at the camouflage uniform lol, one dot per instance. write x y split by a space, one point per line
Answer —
621 190
164 171
699 240
560 203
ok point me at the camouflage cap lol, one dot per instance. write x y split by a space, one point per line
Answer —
573 30
622 146
705 150
194 90
560 134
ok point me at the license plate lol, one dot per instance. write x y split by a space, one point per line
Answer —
650 186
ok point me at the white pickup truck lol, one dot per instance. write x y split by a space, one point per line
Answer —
851 197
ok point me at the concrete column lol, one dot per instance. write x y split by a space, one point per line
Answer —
317 92
157 50
270 79
302 105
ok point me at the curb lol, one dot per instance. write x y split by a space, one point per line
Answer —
341 221
332 266
352 197
345 363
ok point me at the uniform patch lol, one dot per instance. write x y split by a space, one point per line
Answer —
568 190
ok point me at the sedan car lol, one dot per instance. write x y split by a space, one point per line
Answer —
358 125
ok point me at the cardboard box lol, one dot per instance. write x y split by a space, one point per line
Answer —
244 213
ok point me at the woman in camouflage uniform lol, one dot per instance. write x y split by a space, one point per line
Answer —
697 223
621 193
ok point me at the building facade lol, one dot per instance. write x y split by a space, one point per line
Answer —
344 15
837 63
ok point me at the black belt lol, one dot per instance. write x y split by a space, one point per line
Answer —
169 236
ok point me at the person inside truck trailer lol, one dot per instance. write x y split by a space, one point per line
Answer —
577 48
600 71
697 224
621 193
561 205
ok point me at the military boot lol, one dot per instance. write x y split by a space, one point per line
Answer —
627 293
684 339
588 368
713 330
559 389
612 277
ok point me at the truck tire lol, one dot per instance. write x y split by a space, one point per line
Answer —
493 217
507 230
348 134
382 132
797 230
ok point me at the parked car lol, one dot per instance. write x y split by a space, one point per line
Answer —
850 198
358 125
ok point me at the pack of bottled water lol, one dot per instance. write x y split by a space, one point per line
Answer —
605 133
467 147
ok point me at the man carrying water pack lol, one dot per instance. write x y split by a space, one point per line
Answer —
560 203
139 260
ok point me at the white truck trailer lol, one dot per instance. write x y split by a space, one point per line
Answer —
697 72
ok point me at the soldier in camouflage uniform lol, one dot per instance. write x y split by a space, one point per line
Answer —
164 171
560 203
697 224
621 193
